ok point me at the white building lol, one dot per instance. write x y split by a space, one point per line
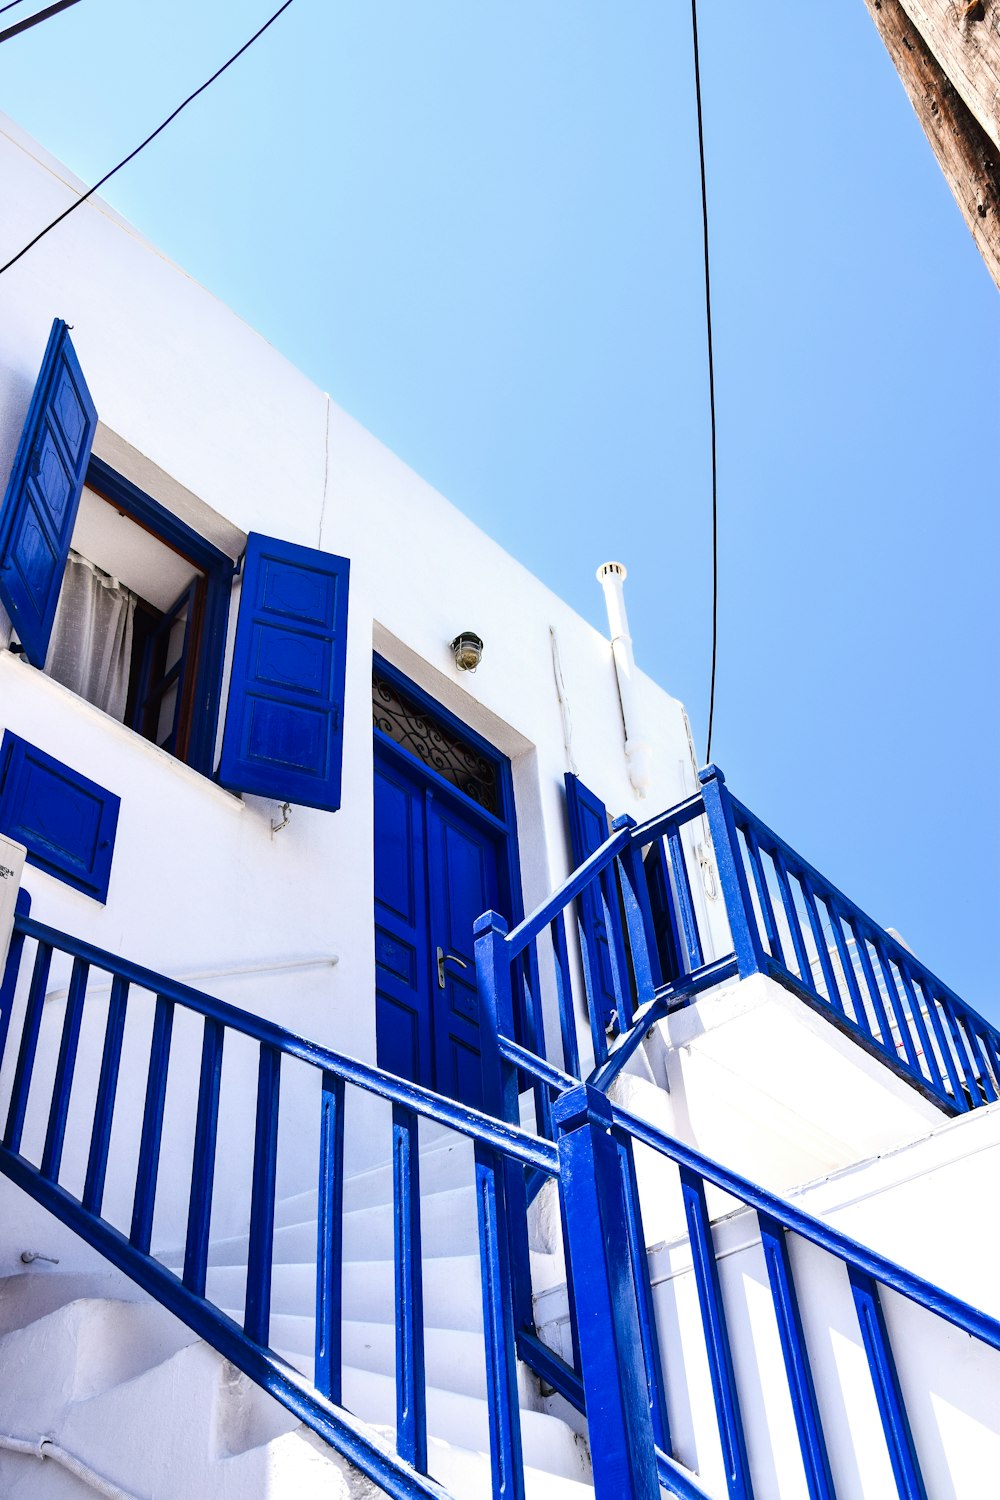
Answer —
244 576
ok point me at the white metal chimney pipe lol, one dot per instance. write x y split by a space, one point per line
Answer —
638 751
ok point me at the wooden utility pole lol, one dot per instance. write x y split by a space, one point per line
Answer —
947 53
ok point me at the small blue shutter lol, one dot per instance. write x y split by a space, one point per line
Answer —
66 821
588 830
39 508
284 725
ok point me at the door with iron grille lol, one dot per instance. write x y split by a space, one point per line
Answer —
441 858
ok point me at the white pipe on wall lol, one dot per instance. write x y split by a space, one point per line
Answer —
638 751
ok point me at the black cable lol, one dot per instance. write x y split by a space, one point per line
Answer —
132 154
711 382
37 19
10 5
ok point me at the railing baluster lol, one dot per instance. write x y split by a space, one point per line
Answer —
971 1031
892 1410
206 1133
644 1297
986 1042
720 1358
496 1020
911 1000
152 1125
411 1396
847 966
328 1370
732 874
638 918
897 1008
791 916
884 1040
957 1092
617 1398
534 1038
564 990
805 1408
26 1051
506 1459
961 1051
822 951
100 1139
685 901
12 969
764 896
62 1086
257 1315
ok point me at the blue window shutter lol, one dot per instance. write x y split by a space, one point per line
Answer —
67 822
39 508
588 829
284 725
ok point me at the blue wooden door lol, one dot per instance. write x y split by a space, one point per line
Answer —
437 868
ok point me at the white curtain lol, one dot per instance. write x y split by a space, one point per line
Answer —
91 644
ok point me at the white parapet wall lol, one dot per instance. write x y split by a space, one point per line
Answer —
760 1080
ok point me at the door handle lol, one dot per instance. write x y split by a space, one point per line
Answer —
447 958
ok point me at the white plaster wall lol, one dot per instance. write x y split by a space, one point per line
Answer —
202 413
763 1082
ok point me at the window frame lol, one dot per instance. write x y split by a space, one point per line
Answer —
218 569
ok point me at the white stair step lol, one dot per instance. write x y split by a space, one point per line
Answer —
448 1163
211 1412
452 1286
467 1476
79 1350
462 1420
448 1223
453 1359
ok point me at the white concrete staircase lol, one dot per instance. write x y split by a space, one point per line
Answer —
131 1391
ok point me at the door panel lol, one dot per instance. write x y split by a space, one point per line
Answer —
437 868
402 968
463 884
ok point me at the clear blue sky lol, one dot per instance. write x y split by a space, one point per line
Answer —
477 225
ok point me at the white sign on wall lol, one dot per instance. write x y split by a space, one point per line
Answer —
11 867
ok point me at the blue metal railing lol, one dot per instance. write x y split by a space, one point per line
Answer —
785 920
502 1153
617 1375
803 931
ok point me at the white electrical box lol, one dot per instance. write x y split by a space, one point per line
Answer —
11 867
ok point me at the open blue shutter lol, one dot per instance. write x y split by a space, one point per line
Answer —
588 830
284 724
39 508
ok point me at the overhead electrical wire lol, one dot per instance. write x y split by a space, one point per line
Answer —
142 144
711 381
36 19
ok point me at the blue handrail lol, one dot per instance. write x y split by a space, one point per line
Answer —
867 1272
501 1152
617 1376
785 920
871 984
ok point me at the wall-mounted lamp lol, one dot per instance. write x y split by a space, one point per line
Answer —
468 651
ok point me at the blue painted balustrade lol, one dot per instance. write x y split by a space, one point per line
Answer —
149 1010
785 920
618 1374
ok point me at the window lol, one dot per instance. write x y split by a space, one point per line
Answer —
140 621
118 599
